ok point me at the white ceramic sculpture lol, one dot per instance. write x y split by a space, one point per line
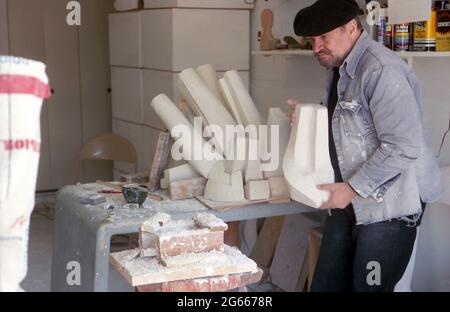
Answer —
209 76
242 99
276 117
306 162
229 100
206 104
224 187
171 116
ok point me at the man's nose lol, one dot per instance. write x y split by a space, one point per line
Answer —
316 46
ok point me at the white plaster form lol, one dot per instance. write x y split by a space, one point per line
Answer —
171 117
224 187
209 76
205 103
257 190
278 187
276 117
229 100
241 98
183 172
306 163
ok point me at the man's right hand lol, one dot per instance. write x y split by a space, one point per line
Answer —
292 116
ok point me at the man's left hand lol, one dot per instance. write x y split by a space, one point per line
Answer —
341 195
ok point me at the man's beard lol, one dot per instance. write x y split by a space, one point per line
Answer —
332 61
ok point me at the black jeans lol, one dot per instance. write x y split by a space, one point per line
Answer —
348 250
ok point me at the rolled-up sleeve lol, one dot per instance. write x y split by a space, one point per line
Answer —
396 116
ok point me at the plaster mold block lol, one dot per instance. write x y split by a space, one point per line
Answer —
278 118
306 162
252 170
278 187
172 117
257 190
241 97
235 162
224 187
183 172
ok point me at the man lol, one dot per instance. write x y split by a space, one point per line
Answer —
384 167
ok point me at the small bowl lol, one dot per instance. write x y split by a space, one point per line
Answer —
134 194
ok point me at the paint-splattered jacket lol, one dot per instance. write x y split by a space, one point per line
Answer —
383 150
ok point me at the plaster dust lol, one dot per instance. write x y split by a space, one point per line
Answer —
142 271
114 211
209 221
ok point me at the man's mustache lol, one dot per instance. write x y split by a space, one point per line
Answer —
322 53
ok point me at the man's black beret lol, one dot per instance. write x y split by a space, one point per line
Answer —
324 16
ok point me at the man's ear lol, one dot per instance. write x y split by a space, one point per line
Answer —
351 27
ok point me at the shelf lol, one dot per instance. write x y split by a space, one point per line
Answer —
408 56
310 53
284 52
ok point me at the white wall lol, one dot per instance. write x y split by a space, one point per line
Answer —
277 78
4 41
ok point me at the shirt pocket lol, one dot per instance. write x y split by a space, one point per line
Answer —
354 123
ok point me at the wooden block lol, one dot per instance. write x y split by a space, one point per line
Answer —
142 271
266 243
160 160
290 254
257 190
187 188
189 241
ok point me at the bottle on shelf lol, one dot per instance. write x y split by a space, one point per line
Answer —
443 28
401 37
425 33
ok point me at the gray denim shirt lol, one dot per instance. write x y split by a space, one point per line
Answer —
383 150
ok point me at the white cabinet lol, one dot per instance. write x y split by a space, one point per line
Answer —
148 50
77 66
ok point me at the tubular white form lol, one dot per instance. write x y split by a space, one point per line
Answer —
171 116
23 86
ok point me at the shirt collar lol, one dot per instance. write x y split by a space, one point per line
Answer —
352 59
